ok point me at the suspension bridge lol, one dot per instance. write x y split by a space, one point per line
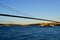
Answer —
11 9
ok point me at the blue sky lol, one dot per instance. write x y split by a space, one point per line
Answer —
46 9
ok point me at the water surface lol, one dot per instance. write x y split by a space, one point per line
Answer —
29 33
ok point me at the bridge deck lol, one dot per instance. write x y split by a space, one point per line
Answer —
27 17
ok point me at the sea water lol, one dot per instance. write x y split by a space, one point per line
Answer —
29 33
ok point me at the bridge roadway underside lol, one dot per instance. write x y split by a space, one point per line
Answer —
28 18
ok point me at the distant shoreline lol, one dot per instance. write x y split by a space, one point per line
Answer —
37 24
